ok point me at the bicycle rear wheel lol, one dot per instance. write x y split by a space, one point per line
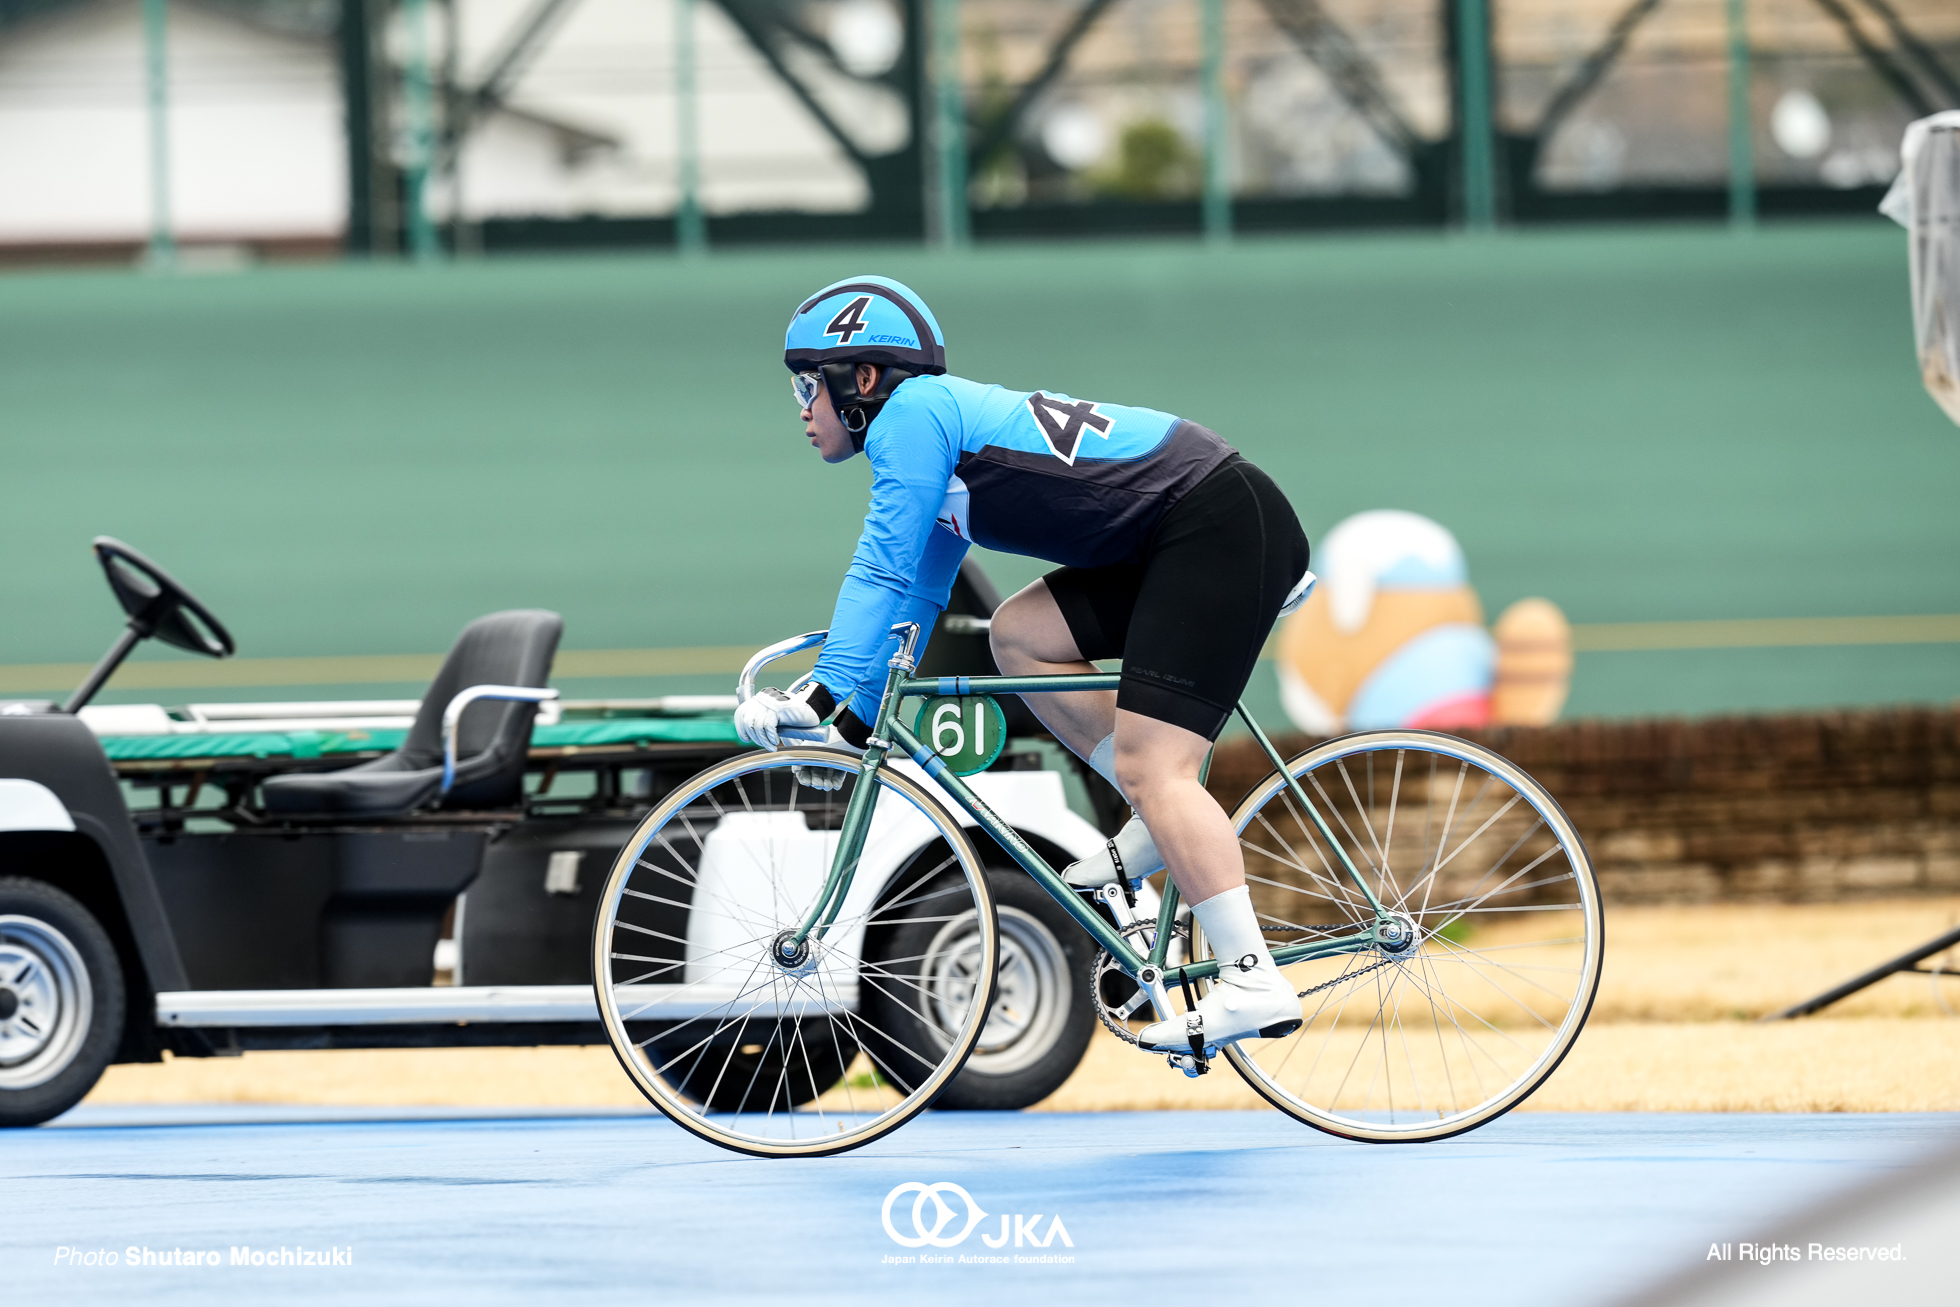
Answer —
1495 886
807 1056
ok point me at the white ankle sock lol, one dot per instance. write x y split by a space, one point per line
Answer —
1103 760
1136 857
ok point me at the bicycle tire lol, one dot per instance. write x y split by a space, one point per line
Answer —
1516 1042
692 907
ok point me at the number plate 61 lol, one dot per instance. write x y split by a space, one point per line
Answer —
966 732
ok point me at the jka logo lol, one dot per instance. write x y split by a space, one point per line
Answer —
943 1227
1062 422
849 320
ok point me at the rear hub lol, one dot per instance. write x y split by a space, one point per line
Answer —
1395 934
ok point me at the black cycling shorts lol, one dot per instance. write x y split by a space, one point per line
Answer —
1190 617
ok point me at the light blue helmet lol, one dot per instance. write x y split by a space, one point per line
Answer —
871 320
865 320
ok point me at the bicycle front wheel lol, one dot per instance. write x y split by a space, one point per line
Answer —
803 1056
1500 909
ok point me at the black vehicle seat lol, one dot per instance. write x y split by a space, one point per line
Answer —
493 738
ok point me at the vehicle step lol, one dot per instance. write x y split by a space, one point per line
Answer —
465 1003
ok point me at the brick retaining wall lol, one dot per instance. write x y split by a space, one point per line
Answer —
1789 808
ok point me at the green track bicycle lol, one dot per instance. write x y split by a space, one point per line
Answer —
774 987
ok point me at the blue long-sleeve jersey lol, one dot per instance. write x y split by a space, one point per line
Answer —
956 463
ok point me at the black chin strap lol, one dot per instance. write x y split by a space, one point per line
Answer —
854 410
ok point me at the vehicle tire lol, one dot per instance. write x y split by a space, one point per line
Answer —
1042 1018
1497 947
695 995
61 1001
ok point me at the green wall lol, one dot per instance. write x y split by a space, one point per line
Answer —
1641 425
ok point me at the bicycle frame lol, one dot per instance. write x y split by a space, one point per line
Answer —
890 732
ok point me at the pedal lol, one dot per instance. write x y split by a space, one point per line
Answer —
1192 1067
1198 1062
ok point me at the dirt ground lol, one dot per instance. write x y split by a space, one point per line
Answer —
1673 1030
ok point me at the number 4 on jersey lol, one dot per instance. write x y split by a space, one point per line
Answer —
1062 422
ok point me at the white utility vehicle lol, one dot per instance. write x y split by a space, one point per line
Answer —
218 878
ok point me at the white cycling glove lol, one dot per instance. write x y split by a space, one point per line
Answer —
760 720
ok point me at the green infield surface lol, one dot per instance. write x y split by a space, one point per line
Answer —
349 462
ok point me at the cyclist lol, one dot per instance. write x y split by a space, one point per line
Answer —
1176 555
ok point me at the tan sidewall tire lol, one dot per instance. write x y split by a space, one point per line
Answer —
1568 836
656 1090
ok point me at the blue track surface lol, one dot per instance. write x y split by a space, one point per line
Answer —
1536 1209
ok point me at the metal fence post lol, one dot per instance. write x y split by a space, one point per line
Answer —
1218 185
357 91
422 243
163 240
690 226
950 125
1742 154
1474 115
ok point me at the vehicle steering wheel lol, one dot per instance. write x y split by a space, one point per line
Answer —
158 605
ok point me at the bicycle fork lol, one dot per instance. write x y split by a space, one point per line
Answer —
792 946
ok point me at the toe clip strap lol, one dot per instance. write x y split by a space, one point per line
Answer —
1194 1027
1122 876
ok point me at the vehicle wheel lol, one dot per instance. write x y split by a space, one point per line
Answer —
696 999
1041 1019
1499 908
61 1001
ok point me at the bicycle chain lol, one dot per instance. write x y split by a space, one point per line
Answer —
1350 975
1106 964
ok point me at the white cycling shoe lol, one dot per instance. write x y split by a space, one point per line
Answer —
1132 855
1250 999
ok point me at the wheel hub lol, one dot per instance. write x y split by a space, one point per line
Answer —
1017 997
795 956
1396 934
43 1002
1032 996
30 1005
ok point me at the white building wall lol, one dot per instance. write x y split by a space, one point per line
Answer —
255 130
256 127
608 67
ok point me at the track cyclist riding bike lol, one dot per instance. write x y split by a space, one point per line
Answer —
1177 555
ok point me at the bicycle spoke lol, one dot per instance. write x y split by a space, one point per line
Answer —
767 1061
1394 795
1445 1035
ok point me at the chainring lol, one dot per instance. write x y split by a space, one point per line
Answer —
1113 1021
